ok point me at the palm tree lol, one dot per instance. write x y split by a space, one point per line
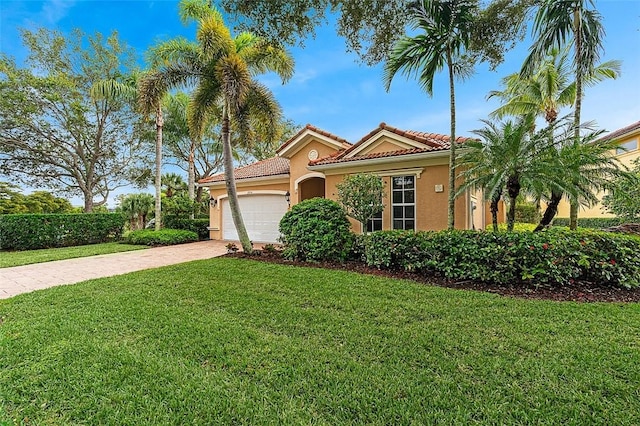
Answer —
446 28
128 89
172 184
222 68
558 23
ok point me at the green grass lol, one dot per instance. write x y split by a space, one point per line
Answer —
232 341
17 258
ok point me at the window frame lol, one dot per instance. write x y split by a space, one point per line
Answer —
404 204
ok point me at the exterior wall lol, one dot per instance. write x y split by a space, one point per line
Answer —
386 145
298 165
431 206
215 213
311 188
598 210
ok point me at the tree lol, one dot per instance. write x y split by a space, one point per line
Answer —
557 24
136 208
222 69
362 196
52 132
623 199
173 184
12 201
370 28
445 35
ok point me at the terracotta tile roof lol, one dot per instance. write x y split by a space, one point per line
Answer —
431 142
621 132
269 167
334 159
344 142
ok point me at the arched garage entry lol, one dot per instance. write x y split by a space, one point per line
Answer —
261 212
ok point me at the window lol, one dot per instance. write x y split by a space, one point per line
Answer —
631 145
375 223
403 198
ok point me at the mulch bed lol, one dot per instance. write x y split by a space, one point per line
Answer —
576 292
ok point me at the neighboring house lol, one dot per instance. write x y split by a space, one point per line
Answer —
413 165
628 150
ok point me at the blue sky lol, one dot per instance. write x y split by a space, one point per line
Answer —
330 88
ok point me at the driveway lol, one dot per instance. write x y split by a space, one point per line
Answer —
23 279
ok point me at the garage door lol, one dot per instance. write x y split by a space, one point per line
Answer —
261 214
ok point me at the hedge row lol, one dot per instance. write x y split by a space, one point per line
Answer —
36 231
591 222
199 226
163 237
555 257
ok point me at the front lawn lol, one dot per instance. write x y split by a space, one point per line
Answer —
27 257
234 341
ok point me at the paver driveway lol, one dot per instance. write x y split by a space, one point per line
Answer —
23 279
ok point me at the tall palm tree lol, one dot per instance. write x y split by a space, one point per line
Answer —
222 69
558 23
128 89
445 35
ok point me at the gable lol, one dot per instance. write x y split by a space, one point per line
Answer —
383 141
310 134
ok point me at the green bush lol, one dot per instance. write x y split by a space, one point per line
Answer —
36 231
554 257
527 213
316 230
199 226
163 237
591 222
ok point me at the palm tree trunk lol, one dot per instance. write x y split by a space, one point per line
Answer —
495 200
230 182
577 31
452 150
513 189
158 183
550 212
192 174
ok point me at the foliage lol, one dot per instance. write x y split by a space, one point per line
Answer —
370 28
362 196
136 208
316 230
163 237
623 198
526 212
173 184
29 257
53 133
591 222
199 226
14 202
354 349
36 231
555 257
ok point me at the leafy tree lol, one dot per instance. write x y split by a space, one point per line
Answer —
53 133
362 196
558 24
445 28
623 199
370 27
12 201
222 68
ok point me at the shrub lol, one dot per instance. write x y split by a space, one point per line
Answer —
527 213
36 231
199 226
163 237
555 257
591 222
316 230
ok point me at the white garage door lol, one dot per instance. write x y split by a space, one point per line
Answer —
261 214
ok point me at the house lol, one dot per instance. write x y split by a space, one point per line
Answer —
414 167
628 150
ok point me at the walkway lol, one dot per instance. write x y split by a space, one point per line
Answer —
23 279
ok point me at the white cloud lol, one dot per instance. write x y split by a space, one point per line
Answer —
53 11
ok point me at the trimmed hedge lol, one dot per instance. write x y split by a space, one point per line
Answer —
37 231
316 230
199 226
555 257
163 237
591 222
